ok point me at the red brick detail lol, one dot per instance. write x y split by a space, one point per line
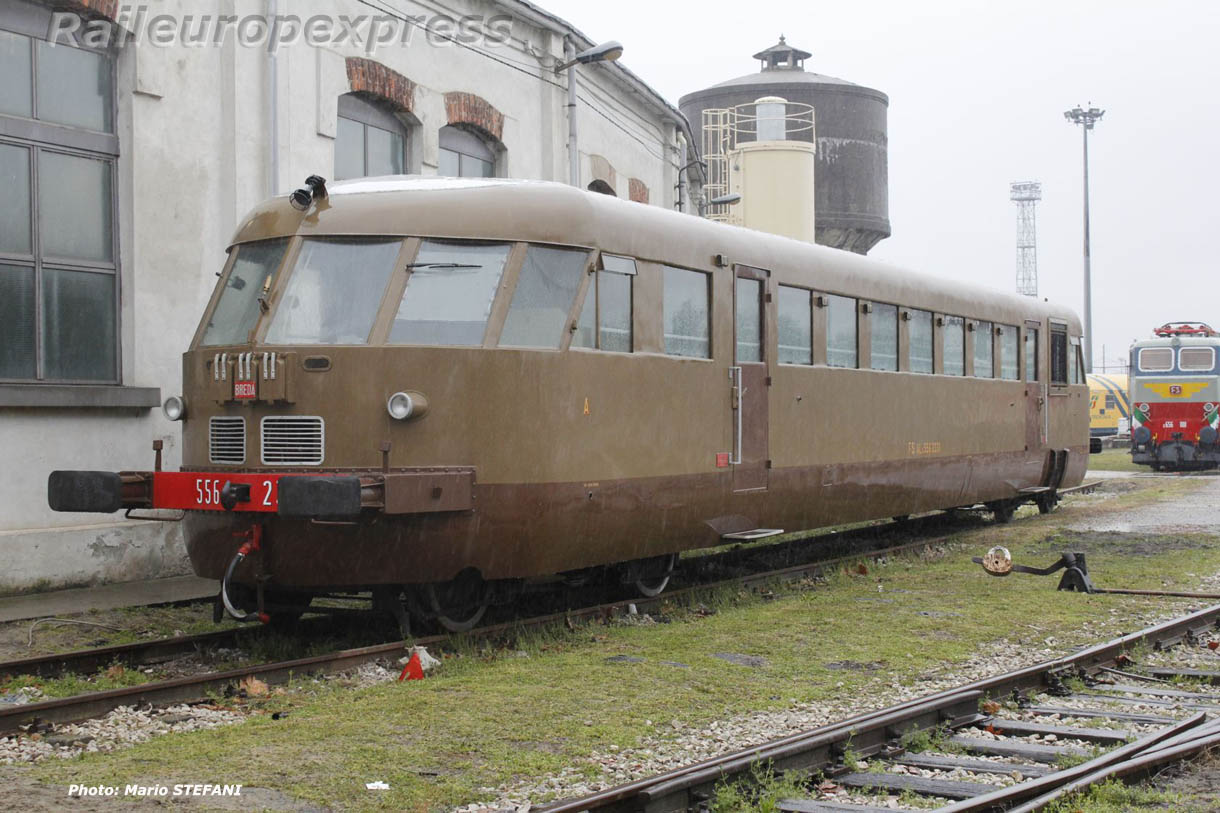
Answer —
375 79
107 9
637 190
475 111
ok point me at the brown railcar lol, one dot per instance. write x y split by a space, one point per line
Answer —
450 385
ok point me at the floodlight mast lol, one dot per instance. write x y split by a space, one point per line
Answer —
1086 118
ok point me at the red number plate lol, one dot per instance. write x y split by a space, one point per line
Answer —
244 389
200 491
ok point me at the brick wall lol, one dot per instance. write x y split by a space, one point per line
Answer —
469 109
637 190
375 79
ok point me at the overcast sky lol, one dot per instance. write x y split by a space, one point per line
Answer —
977 93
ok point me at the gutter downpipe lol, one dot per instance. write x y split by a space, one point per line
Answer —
273 170
569 55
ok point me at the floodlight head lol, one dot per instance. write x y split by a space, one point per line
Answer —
608 51
725 200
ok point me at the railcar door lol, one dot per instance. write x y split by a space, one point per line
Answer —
749 379
1035 389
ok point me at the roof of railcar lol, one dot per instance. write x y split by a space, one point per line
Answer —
546 212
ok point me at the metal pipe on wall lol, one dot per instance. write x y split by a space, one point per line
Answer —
569 55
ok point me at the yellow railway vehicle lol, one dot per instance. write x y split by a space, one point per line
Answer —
1109 405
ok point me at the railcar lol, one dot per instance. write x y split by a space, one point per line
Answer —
1109 405
439 390
1175 392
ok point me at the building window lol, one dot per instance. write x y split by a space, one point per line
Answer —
370 140
955 345
1031 354
883 322
688 317
795 325
545 292
919 335
984 351
841 323
605 318
465 155
1008 352
59 282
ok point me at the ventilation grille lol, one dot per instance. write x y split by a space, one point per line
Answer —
227 440
293 440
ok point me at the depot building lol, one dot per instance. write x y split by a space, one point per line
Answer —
131 144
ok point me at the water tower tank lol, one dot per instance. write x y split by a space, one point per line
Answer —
852 188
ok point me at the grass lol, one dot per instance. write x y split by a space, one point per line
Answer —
551 700
761 792
1115 460
1113 796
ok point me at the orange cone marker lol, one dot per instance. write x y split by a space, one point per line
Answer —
414 670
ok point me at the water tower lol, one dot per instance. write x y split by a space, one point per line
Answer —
851 165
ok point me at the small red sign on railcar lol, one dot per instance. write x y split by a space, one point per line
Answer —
245 390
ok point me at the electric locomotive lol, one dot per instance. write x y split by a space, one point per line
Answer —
1175 392
439 390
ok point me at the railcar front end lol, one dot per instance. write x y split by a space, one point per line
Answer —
1175 398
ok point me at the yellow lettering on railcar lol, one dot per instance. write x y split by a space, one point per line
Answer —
919 449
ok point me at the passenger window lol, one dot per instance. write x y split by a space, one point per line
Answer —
1111 402
686 312
1059 356
1077 361
841 335
955 345
1196 359
984 350
919 335
748 324
546 288
605 318
883 322
1031 354
238 310
449 293
334 291
795 325
1008 353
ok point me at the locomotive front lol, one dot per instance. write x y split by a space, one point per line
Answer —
1175 398
314 456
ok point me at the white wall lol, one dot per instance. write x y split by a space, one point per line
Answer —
194 137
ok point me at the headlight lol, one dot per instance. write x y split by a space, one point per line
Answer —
174 408
400 406
404 405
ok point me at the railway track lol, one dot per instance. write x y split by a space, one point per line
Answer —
1070 723
196 687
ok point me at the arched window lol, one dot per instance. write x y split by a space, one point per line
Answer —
463 154
370 140
601 186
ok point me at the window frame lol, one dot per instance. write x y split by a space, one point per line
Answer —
1211 367
873 323
1139 360
828 299
39 137
596 269
813 303
357 108
944 324
910 315
710 306
459 137
1059 329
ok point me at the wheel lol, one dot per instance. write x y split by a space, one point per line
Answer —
286 620
458 605
1002 511
1047 502
652 586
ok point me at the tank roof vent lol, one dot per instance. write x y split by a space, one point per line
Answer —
782 57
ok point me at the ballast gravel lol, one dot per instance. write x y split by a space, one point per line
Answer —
673 745
122 727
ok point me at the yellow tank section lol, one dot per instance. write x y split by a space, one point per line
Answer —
776 183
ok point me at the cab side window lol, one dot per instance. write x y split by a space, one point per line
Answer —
1059 355
605 318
